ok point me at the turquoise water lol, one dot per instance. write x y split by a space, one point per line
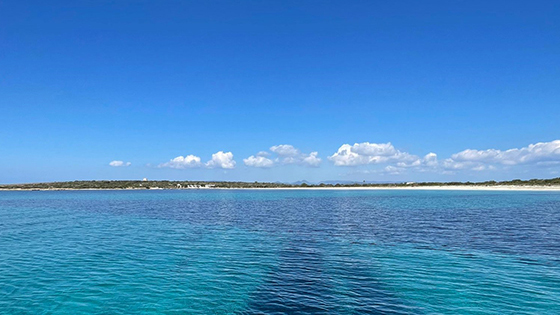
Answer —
279 252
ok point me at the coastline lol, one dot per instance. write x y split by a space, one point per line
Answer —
464 188
457 187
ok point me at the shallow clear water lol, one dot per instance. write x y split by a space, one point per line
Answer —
279 252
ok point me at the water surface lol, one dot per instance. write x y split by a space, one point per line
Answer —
279 252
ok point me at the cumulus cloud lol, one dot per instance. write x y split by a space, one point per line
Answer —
221 159
542 153
285 150
372 153
374 149
119 163
394 161
285 154
258 161
390 159
345 156
311 160
182 162
430 160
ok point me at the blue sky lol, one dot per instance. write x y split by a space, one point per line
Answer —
324 90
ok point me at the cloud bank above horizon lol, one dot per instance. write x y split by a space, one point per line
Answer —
382 158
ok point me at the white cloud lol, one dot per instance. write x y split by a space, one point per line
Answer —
258 161
428 163
430 160
285 154
393 170
479 168
374 149
396 162
476 155
285 150
372 153
119 163
346 157
542 153
311 160
221 159
182 162
450 164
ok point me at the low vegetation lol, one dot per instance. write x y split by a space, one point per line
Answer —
165 184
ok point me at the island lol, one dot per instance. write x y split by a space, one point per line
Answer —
516 184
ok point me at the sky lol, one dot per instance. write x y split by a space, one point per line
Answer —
382 91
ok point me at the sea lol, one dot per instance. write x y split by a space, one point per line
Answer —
279 252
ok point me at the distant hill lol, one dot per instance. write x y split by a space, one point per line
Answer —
299 182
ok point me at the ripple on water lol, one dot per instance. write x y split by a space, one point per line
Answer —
279 252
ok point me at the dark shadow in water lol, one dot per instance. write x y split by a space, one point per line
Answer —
301 284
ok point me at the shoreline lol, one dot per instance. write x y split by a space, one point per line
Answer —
441 188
